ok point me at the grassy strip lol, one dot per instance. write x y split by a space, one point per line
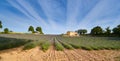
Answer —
100 47
7 43
30 45
45 46
66 45
86 48
58 46
75 46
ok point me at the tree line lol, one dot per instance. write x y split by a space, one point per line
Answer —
98 31
95 31
31 28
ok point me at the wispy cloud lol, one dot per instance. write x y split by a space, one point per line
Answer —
72 12
21 9
30 11
61 15
77 10
103 10
54 11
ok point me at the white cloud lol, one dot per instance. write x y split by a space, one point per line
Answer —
72 12
50 12
31 11
102 9
20 9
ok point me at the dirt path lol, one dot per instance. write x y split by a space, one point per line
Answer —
36 54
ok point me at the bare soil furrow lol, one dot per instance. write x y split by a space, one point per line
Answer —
36 54
67 55
61 56
70 55
50 56
86 56
75 54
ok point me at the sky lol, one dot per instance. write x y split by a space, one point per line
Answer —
59 16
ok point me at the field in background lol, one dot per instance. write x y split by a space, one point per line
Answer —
46 47
60 42
92 43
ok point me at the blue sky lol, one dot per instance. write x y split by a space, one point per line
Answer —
59 16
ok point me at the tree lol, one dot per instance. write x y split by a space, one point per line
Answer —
81 31
31 28
118 26
6 30
97 30
10 31
84 31
116 30
39 29
108 31
0 24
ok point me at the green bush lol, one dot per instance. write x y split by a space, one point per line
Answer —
66 45
39 42
29 45
58 46
75 46
45 45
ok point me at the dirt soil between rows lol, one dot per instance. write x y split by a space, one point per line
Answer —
35 54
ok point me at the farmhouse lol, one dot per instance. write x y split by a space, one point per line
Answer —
71 33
